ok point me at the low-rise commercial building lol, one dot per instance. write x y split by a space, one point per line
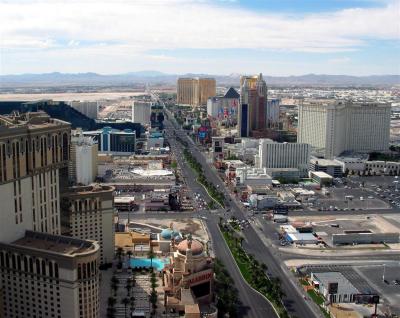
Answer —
139 243
334 287
252 176
262 202
320 177
366 237
285 174
114 141
157 202
331 167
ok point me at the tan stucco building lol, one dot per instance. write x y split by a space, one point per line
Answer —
189 278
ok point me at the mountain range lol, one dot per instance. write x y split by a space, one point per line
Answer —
155 77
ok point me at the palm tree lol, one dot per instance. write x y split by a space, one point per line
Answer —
264 267
110 312
132 302
114 287
114 284
120 252
125 302
114 279
111 302
153 299
129 286
151 256
129 254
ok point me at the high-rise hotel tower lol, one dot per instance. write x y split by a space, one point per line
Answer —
252 113
42 274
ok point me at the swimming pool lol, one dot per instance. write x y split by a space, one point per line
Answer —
158 263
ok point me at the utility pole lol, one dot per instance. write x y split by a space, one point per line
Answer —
383 274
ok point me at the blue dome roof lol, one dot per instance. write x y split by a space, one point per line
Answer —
167 234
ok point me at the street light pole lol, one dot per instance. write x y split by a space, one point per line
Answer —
383 274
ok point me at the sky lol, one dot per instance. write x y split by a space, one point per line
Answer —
275 37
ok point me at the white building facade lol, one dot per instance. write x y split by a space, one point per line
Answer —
284 155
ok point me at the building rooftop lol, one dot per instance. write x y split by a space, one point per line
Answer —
336 277
127 199
231 93
129 239
324 162
322 174
57 244
196 247
95 188
30 121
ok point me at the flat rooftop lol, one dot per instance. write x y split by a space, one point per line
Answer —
329 277
324 162
58 244
322 174
30 121
347 271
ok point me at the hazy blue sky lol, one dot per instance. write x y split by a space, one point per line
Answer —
276 37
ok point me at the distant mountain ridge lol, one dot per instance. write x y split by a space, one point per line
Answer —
153 77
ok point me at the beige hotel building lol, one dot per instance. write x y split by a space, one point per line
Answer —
333 127
195 91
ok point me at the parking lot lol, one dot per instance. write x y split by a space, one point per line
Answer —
349 199
383 280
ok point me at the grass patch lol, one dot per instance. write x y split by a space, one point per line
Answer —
254 273
319 300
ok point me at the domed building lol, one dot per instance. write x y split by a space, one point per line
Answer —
168 234
189 278
165 237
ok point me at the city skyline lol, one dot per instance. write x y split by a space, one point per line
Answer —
277 37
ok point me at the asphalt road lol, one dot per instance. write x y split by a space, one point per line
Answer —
293 300
252 304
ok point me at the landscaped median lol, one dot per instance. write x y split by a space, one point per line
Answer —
211 189
318 299
254 272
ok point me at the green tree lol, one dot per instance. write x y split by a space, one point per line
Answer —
120 252
151 255
153 299
111 302
132 303
129 286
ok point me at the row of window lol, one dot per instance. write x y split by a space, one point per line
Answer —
29 264
31 151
